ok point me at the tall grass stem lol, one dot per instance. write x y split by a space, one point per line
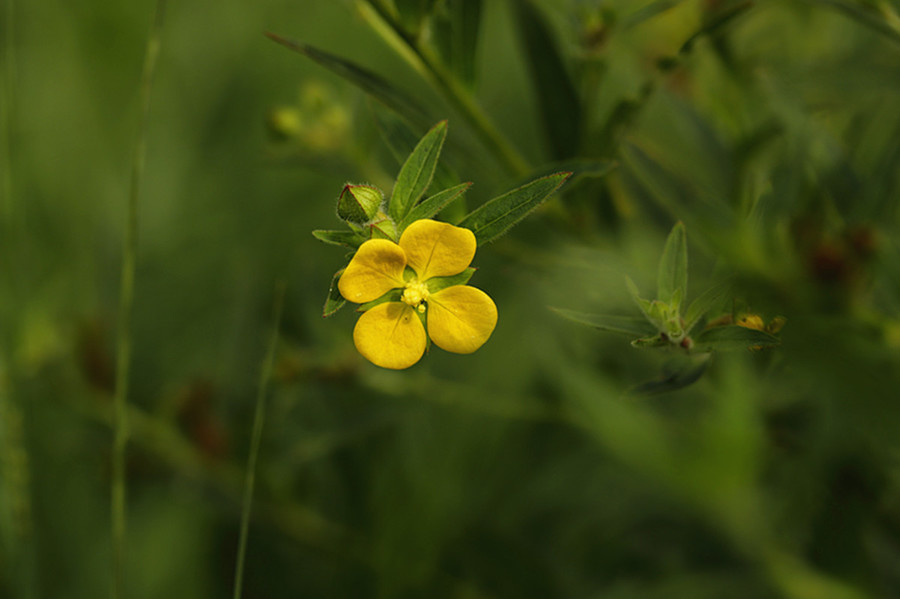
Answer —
126 304
256 438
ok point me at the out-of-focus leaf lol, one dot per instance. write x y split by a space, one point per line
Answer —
677 374
495 217
374 85
417 172
433 204
731 338
456 30
560 106
435 284
704 303
626 325
720 20
401 140
348 239
579 167
335 301
671 278
645 13
650 342
868 17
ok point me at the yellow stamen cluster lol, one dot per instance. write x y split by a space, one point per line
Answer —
415 295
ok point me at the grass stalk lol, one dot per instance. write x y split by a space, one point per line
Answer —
428 64
258 420
126 303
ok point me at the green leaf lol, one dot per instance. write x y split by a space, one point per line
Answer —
589 168
731 338
435 284
433 204
627 325
671 280
495 217
704 303
417 172
348 239
335 301
651 342
456 35
646 13
557 97
374 85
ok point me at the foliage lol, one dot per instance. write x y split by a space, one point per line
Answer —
742 158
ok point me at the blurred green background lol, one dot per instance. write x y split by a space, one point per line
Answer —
534 467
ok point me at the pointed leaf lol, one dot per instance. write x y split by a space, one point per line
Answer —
868 17
495 217
374 85
733 337
416 173
627 325
723 18
335 301
671 279
348 239
557 96
677 374
431 205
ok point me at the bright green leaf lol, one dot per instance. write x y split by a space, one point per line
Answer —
672 275
417 172
346 238
430 206
495 217
646 306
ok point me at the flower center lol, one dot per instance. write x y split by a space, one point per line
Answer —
415 295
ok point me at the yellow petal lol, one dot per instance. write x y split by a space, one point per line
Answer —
376 268
437 249
461 318
390 335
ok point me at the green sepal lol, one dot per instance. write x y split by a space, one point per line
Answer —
391 296
733 337
417 172
651 342
431 205
435 284
383 228
359 203
495 217
335 301
672 274
626 325
350 239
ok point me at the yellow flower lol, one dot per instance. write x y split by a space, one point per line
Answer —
459 318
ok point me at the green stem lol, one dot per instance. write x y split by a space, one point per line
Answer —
429 65
126 302
258 419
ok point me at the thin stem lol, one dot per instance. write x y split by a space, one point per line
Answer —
126 302
258 419
427 63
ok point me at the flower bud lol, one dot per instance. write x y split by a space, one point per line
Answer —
359 203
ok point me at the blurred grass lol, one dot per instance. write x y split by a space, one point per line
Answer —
525 469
